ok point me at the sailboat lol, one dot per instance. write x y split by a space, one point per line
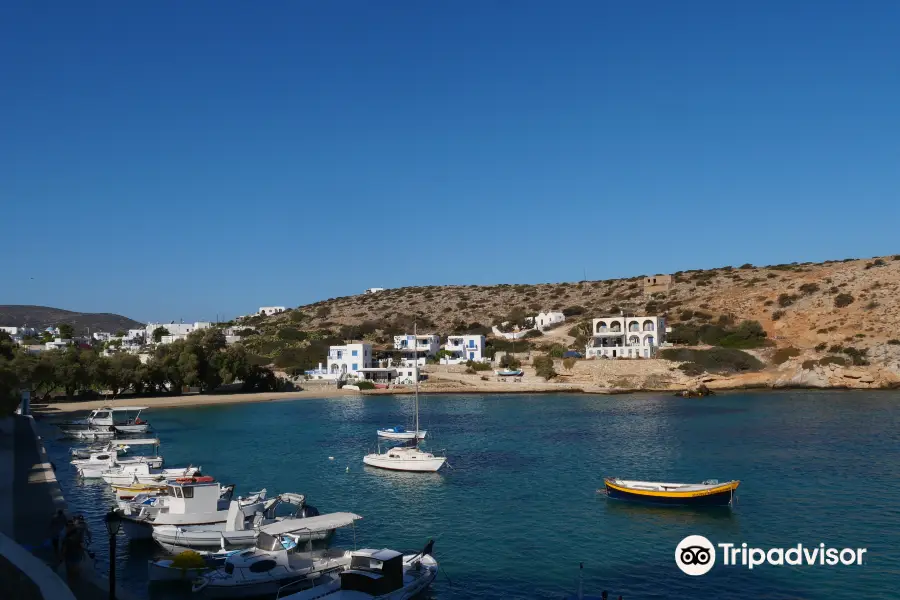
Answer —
408 458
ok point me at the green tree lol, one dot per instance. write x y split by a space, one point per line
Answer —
66 331
158 334
543 366
508 361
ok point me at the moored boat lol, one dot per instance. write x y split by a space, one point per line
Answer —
383 574
709 493
400 433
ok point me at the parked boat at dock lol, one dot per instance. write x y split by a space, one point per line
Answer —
384 574
274 562
185 503
708 493
186 566
143 473
122 419
97 462
240 531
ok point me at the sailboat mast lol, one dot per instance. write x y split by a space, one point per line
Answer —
416 372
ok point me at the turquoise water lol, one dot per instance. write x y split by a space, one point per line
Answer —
519 508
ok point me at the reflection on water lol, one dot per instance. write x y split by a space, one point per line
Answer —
518 508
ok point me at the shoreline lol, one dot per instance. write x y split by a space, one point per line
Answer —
200 400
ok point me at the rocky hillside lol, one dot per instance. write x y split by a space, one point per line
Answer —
833 312
17 315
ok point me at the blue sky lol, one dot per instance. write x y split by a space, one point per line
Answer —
172 160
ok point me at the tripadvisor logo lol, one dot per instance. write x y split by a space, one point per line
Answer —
696 555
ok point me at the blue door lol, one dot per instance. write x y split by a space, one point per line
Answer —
471 356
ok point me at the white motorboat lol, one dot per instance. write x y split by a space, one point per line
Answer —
400 433
95 463
89 434
142 473
119 446
122 419
184 503
407 458
274 562
239 531
185 567
382 574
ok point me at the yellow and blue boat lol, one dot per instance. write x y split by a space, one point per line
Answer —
708 493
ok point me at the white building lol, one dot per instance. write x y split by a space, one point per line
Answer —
374 290
544 320
626 337
58 344
177 331
424 346
101 336
270 310
464 348
348 359
19 332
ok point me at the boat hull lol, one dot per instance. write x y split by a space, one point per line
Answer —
403 435
162 570
722 495
425 465
211 537
132 428
137 529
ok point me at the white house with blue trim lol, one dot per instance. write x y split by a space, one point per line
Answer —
348 359
464 348
420 346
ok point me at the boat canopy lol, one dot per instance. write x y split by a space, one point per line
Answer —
124 408
319 523
137 442
395 429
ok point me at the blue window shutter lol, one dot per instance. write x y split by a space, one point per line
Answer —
354 352
355 366
471 356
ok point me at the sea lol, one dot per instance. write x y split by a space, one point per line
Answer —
519 505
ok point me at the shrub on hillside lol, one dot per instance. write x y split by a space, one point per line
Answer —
785 300
534 333
292 334
569 363
557 351
809 288
777 314
894 342
714 360
478 366
782 355
749 334
297 316
543 367
821 347
842 300
571 311
833 360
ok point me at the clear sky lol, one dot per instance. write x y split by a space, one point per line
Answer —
170 160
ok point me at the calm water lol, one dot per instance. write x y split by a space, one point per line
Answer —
519 508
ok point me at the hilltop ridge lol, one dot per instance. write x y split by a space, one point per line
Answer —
17 315
821 316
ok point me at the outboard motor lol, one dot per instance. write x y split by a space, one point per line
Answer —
308 510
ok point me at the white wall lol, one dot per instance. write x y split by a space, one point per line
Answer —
634 337
545 319
270 310
464 348
341 359
428 344
176 330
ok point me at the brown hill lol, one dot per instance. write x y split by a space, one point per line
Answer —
796 303
13 315
832 312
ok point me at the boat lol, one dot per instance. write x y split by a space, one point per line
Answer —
186 566
89 434
383 574
143 473
95 463
510 373
198 501
402 458
240 530
709 493
400 433
122 419
132 490
119 446
273 563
